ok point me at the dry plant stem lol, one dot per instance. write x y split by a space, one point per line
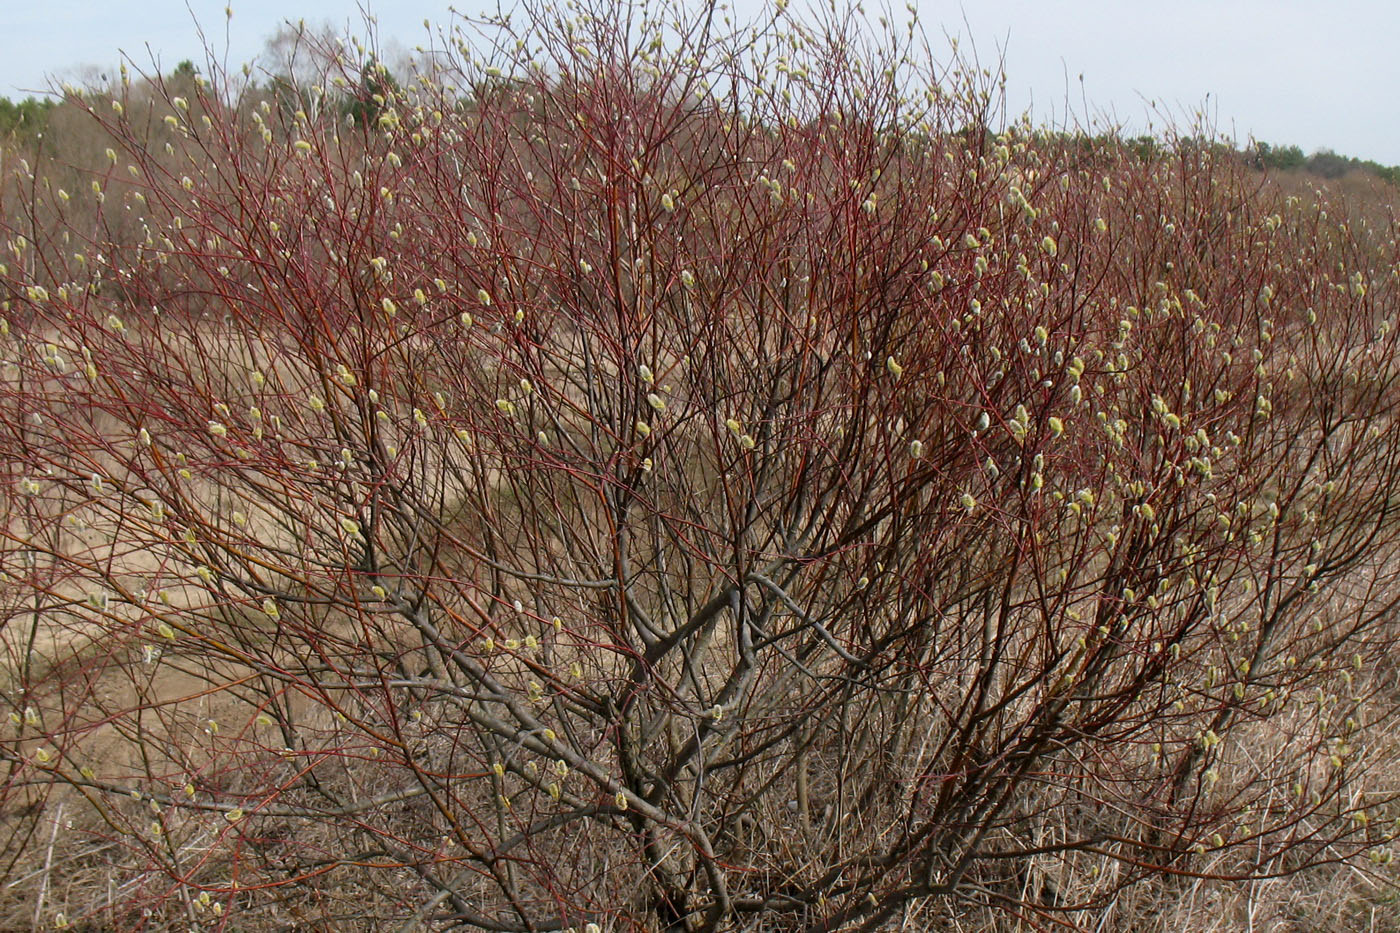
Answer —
48 865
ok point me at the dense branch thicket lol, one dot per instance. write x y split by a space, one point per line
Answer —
675 477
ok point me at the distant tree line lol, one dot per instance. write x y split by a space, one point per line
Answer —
25 117
24 120
1323 162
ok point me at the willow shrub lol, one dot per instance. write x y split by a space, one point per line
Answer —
669 475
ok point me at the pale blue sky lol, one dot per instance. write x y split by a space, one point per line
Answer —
1285 71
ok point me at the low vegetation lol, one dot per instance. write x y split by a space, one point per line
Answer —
670 475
